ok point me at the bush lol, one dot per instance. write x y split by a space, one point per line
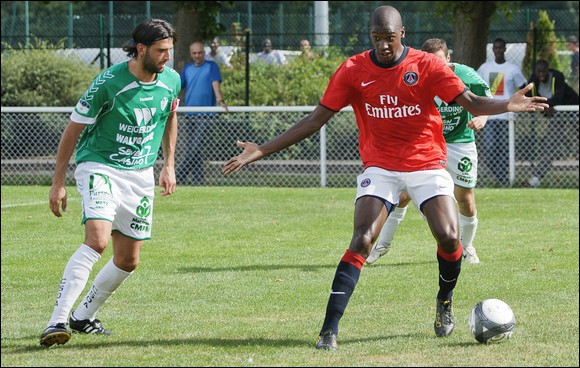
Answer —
300 83
43 75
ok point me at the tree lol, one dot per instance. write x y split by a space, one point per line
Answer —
541 44
195 21
471 26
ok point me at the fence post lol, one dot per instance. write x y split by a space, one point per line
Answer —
512 149
70 25
323 156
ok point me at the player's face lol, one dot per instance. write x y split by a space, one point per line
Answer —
387 43
441 55
157 55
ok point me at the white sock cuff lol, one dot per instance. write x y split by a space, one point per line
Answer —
89 252
117 269
467 220
399 212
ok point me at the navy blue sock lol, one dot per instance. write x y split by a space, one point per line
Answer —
345 280
448 273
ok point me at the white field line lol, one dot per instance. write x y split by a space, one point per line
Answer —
29 204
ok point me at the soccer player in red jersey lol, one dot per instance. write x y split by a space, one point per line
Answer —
391 89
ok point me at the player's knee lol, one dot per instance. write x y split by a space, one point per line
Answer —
449 241
361 243
127 264
97 242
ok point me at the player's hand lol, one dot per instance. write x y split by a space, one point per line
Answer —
167 181
477 123
519 102
250 154
55 198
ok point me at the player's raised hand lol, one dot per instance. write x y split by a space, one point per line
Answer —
250 154
519 102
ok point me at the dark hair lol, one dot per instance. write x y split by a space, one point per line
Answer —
147 32
543 63
433 45
499 40
572 39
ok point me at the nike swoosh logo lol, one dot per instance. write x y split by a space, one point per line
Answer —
364 84
447 280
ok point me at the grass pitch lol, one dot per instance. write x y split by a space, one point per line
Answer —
241 276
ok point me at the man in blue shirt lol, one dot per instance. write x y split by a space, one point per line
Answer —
201 80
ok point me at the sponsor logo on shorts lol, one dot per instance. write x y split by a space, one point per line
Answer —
465 165
365 183
143 211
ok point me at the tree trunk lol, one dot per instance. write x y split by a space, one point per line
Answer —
188 31
471 26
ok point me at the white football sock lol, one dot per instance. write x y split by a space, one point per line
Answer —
388 231
107 281
467 229
74 279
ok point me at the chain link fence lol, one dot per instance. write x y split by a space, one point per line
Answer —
98 38
329 158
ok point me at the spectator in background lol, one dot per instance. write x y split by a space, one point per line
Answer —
270 56
306 50
504 79
215 54
201 80
573 46
551 84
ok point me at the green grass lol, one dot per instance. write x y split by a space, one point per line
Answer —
241 276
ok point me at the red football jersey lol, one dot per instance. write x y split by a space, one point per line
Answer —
399 126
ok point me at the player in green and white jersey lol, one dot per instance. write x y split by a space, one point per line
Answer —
458 129
118 127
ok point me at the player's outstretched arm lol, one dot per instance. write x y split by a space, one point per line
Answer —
519 102
299 131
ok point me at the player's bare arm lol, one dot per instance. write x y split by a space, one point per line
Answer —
67 144
299 131
519 102
167 175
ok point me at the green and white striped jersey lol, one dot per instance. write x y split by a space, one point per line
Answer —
125 117
455 117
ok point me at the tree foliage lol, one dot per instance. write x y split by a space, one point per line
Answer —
471 21
544 47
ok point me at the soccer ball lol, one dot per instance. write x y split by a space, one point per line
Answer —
492 320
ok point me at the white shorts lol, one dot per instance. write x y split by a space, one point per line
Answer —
123 197
388 185
462 164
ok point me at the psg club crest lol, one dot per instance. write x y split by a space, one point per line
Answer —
411 78
365 183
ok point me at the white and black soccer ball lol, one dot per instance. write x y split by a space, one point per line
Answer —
492 320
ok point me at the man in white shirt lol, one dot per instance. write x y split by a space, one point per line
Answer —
504 79
270 56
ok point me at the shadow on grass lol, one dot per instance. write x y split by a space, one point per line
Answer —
304 268
110 341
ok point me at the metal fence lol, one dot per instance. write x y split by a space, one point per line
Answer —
329 158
